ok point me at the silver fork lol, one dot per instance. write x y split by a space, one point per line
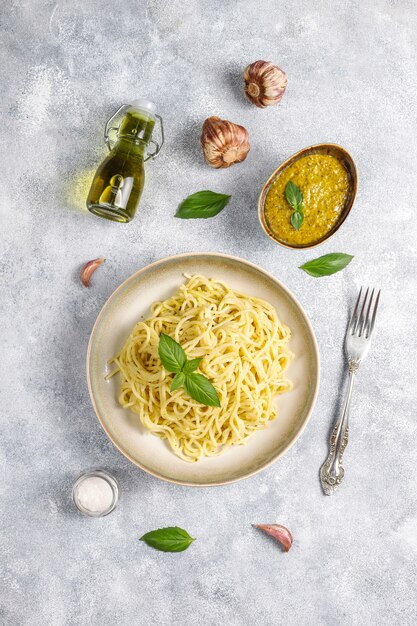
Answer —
357 344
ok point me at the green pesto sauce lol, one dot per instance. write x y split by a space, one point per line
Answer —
324 183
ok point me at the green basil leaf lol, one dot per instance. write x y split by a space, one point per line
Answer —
177 381
171 354
327 264
202 204
297 219
192 365
201 389
172 539
293 195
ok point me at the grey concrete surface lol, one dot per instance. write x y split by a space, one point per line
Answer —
352 80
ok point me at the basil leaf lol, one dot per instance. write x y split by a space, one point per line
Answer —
201 389
293 195
171 539
174 359
171 354
202 204
327 264
177 381
295 200
297 219
192 365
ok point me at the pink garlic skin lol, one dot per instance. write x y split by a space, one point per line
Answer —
265 83
89 269
278 532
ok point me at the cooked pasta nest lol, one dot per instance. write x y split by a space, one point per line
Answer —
245 354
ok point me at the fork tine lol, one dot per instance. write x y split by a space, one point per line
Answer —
361 322
374 313
353 319
366 325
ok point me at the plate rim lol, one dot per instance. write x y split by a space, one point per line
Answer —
306 320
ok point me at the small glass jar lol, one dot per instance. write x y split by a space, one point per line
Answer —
85 493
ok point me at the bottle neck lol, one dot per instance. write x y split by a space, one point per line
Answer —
131 146
138 126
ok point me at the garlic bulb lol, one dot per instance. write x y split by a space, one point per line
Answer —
264 83
223 142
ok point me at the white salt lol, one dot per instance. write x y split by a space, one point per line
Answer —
95 494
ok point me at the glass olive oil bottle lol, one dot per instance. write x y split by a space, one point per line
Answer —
118 183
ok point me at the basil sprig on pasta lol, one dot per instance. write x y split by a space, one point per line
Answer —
175 360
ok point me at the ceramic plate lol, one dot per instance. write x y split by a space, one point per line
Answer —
131 301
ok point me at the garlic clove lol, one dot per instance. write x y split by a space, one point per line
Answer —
278 532
223 142
265 83
88 270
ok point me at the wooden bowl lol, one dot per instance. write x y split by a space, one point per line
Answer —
322 148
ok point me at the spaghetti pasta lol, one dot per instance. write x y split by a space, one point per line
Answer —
245 355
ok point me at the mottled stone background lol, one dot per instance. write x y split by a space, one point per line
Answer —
352 80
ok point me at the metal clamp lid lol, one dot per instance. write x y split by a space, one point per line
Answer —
157 145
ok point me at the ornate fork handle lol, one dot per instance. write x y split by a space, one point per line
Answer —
332 471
